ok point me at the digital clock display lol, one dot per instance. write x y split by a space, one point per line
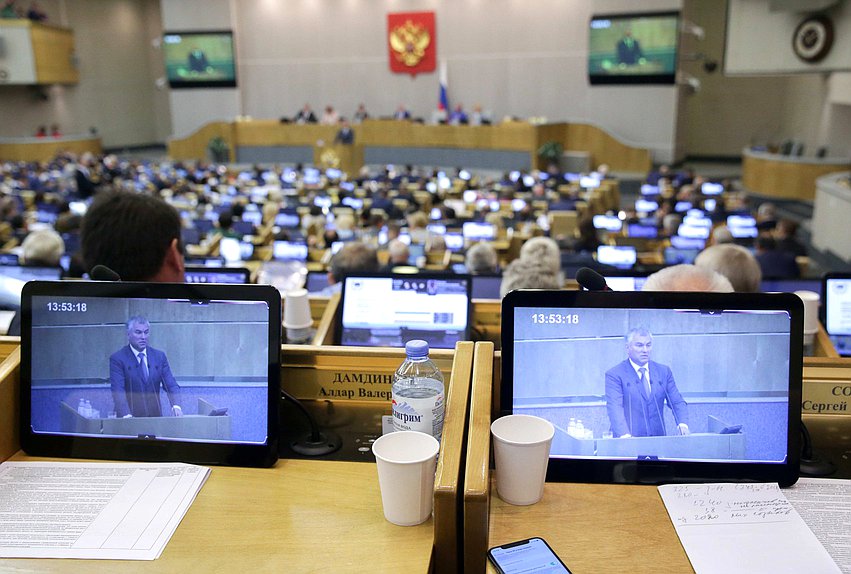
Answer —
66 307
555 318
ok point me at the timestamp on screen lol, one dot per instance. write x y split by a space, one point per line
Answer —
66 307
555 318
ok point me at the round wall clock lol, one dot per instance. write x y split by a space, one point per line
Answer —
813 38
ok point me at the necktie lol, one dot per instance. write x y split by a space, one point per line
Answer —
144 364
645 383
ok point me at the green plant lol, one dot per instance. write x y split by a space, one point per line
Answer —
219 149
551 152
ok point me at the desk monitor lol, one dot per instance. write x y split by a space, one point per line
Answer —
208 348
454 241
205 261
232 249
476 231
28 273
486 286
677 256
641 230
625 280
620 256
791 285
721 400
389 310
837 310
610 223
289 251
231 275
316 281
8 258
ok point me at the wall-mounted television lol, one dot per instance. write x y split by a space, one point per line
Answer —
638 48
199 59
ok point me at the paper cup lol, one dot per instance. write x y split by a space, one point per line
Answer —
297 310
521 446
811 302
406 462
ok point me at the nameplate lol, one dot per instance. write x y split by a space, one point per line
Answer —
826 397
335 384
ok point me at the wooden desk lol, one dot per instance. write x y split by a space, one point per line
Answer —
786 177
595 528
300 516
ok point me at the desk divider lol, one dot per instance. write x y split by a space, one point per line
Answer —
10 389
477 473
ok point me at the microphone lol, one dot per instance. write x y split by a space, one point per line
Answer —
315 442
103 273
591 280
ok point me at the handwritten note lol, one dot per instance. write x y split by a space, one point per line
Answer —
744 528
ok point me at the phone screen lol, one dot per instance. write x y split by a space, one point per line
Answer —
531 555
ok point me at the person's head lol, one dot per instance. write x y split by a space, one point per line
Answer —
639 343
735 263
417 220
42 247
399 252
354 257
722 235
481 258
766 211
671 223
765 243
529 274
138 330
543 250
786 229
134 234
687 277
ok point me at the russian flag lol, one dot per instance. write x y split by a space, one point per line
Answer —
443 103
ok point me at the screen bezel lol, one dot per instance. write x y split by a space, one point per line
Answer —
636 79
230 454
177 84
663 471
409 276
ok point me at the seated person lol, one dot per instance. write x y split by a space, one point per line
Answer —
775 264
481 259
354 257
735 263
399 253
42 247
687 277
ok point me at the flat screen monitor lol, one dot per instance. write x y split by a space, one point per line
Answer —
744 232
28 273
588 182
639 230
454 241
289 251
252 217
638 48
609 223
232 249
206 261
791 285
212 356
681 242
476 231
190 236
199 59
711 188
243 227
647 189
389 310
316 281
720 399
693 231
204 225
620 256
741 221
837 311
231 275
8 258
625 280
675 256
487 286
287 219
645 205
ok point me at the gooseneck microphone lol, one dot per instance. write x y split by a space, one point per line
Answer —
316 442
103 273
591 280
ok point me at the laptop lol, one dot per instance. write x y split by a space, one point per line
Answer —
212 350
389 310
836 293
721 400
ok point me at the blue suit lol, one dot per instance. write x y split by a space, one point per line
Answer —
131 393
631 411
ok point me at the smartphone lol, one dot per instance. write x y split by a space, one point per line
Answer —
530 555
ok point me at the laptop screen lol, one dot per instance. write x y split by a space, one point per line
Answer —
721 384
388 311
27 273
233 275
205 379
837 311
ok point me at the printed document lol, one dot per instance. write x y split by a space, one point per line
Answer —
825 505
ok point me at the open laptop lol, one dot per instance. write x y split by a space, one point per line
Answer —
837 310
721 399
389 310
212 350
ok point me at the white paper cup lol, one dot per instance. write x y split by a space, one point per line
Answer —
406 462
811 302
521 446
297 310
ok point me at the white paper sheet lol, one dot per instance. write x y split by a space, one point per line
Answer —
825 505
124 511
747 528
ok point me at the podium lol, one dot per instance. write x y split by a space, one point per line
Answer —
693 446
186 426
346 157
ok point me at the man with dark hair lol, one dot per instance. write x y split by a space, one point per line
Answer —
134 234
353 257
638 388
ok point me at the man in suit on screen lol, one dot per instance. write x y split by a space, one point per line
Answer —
137 372
637 390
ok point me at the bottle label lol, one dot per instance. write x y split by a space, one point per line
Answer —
419 414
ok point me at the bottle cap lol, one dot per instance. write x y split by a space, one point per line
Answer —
416 348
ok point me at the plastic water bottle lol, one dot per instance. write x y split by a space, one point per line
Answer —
418 393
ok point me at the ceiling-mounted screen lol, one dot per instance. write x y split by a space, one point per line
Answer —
638 48
199 59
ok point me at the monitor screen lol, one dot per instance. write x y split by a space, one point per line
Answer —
253 217
648 189
289 251
639 230
741 221
388 311
645 206
476 231
681 242
287 219
230 275
674 256
487 286
316 281
693 231
454 241
633 48
621 256
625 282
232 249
199 59
27 273
837 311
711 188
8 258
607 222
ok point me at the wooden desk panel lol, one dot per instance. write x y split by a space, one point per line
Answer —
300 516
596 528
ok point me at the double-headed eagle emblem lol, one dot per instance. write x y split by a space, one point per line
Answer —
409 43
